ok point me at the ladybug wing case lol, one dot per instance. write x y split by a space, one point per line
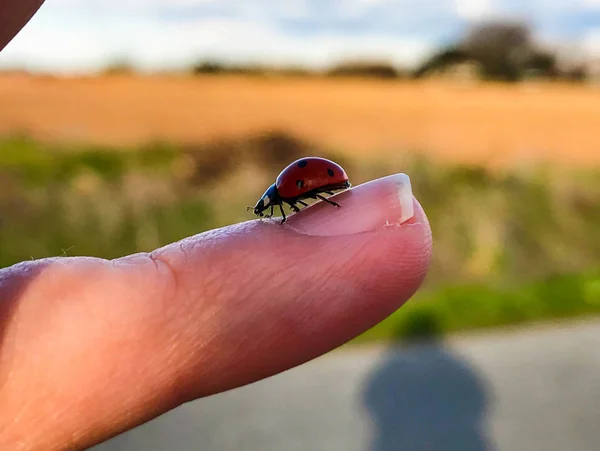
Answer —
309 175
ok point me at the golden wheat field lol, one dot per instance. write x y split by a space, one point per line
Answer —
493 124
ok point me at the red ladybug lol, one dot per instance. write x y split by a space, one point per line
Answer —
306 178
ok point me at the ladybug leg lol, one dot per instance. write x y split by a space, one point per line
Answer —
294 207
270 214
302 202
318 196
283 213
329 192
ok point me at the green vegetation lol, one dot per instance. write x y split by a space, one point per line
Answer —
366 69
215 67
465 307
498 50
510 246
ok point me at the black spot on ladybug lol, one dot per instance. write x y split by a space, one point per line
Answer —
302 163
330 172
300 183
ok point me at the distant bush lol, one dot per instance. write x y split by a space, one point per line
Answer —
211 162
121 67
502 50
209 67
576 74
218 68
292 71
367 69
277 149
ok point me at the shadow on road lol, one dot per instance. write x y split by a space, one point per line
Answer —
426 398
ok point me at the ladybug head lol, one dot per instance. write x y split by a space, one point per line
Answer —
267 200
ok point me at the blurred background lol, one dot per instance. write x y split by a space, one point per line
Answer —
127 125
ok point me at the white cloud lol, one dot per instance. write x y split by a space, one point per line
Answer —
73 34
591 42
590 4
473 9
151 44
68 40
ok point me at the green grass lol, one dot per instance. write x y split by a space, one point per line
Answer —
478 306
509 247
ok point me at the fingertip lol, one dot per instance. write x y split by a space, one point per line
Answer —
259 297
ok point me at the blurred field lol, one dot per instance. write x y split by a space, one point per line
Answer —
511 246
491 124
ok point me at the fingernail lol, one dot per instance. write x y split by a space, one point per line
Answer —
381 203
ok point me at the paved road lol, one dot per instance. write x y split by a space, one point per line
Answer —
514 391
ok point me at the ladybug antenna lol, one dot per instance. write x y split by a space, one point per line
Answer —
249 208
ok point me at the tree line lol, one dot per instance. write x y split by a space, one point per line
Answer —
495 50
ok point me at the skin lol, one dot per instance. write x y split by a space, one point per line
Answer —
90 348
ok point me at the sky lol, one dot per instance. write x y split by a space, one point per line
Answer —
86 35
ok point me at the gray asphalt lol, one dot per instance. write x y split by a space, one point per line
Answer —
507 391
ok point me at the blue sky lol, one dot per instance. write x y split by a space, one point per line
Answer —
82 35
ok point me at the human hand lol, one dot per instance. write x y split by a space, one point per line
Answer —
90 348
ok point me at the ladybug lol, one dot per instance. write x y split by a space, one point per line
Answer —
305 178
